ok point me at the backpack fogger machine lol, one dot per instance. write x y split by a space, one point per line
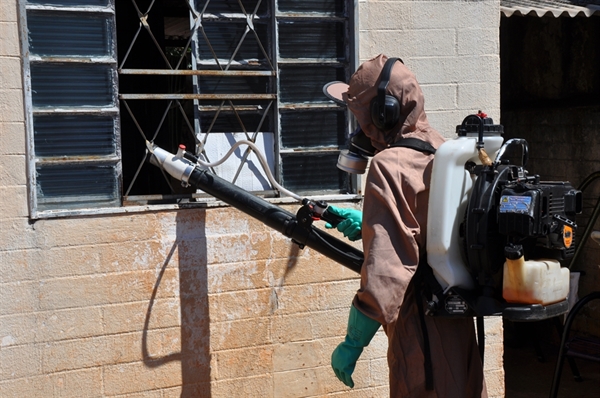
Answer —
496 236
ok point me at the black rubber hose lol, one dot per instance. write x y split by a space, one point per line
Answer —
277 218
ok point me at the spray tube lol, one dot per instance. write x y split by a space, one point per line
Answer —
299 228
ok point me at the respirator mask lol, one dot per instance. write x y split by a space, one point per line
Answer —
385 114
355 159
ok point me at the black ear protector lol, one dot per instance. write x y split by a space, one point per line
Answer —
385 109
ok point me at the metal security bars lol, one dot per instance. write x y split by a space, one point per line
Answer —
107 76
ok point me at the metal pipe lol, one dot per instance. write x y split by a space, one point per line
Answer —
190 72
591 221
172 96
565 335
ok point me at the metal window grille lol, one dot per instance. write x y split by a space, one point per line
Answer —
108 75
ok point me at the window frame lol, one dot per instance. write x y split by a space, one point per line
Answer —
110 111
30 112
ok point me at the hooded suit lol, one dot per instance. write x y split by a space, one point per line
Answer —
393 232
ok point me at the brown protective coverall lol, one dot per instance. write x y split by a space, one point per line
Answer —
393 233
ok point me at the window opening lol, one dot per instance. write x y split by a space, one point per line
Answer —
202 73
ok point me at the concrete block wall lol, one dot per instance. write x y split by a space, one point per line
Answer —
452 46
277 313
203 302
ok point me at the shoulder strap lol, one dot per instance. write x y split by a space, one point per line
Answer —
416 144
419 277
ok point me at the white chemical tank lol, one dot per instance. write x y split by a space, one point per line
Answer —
449 192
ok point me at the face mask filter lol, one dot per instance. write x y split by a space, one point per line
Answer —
355 159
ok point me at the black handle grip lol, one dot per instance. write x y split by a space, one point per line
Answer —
331 218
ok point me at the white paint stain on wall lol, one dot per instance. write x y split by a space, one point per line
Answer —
222 276
8 341
227 225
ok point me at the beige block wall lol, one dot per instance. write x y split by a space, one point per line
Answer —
202 302
452 46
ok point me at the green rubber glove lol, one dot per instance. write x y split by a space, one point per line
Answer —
361 330
351 226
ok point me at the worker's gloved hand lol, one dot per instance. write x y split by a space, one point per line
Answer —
361 330
352 225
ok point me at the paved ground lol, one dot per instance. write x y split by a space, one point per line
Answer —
528 376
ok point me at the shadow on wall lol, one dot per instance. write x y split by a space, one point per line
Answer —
188 252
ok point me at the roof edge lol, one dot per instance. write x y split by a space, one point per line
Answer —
525 8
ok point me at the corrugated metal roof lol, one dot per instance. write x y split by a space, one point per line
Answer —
556 8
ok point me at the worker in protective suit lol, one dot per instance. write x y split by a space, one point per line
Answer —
393 230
